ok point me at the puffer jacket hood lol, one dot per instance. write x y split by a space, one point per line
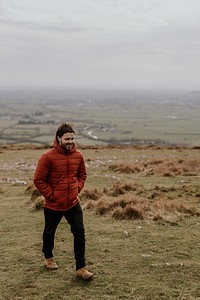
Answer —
60 176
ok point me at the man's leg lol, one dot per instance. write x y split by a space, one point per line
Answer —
52 219
75 219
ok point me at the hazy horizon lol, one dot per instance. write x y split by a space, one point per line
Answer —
97 88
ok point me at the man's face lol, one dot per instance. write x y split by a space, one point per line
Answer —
67 140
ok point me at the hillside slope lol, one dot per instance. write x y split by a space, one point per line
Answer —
141 208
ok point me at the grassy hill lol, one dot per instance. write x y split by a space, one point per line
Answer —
141 209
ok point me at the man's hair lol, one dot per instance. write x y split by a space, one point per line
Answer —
64 128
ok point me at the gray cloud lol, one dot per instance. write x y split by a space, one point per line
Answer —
100 43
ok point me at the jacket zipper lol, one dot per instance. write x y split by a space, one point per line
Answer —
67 204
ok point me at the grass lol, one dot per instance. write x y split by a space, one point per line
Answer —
131 259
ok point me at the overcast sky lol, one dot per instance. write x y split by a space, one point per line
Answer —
100 43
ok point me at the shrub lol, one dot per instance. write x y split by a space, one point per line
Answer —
91 194
126 168
38 203
128 212
120 189
36 199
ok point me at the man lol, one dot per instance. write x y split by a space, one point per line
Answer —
60 175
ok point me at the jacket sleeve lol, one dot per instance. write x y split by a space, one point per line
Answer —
81 175
41 178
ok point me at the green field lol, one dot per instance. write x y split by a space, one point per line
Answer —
101 117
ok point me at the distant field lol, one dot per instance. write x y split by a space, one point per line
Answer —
131 117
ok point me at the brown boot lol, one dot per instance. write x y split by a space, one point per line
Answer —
51 264
84 274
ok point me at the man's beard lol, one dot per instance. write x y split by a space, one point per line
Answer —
67 146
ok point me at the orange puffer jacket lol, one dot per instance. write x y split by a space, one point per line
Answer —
60 175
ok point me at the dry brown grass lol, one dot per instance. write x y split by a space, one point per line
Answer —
124 201
126 168
130 212
36 199
93 194
161 167
2 191
121 188
133 201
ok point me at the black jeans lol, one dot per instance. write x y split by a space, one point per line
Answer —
74 217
